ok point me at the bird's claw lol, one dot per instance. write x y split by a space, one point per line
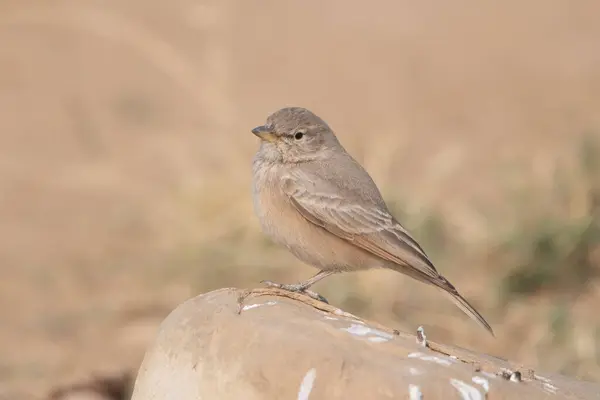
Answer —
296 288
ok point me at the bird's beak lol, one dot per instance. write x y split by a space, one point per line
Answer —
265 132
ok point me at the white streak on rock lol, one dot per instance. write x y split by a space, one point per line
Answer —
377 339
550 388
414 392
414 371
435 359
541 378
467 392
374 335
483 382
358 330
347 315
307 384
331 318
251 306
546 384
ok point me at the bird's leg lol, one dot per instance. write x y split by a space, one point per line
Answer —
303 286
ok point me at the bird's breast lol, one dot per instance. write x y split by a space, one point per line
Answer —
280 220
272 207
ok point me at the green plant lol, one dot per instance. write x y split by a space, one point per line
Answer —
553 250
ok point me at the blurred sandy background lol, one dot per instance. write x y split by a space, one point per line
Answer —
125 153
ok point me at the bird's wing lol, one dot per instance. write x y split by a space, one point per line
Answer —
372 228
367 226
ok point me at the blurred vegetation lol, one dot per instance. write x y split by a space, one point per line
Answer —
550 255
552 250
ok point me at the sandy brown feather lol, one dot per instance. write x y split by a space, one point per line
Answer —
380 234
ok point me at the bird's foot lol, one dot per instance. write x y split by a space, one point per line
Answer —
296 288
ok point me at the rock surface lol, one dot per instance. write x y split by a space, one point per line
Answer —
269 344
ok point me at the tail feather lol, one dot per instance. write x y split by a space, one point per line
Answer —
445 285
468 309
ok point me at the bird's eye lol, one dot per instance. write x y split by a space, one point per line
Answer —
298 135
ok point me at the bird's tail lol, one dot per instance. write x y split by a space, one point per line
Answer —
468 309
442 283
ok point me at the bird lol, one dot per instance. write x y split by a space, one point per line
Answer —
313 198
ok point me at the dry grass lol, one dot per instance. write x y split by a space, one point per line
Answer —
125 164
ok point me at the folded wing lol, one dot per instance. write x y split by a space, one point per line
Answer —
373 229
365 225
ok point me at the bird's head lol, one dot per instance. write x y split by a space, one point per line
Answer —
295 134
